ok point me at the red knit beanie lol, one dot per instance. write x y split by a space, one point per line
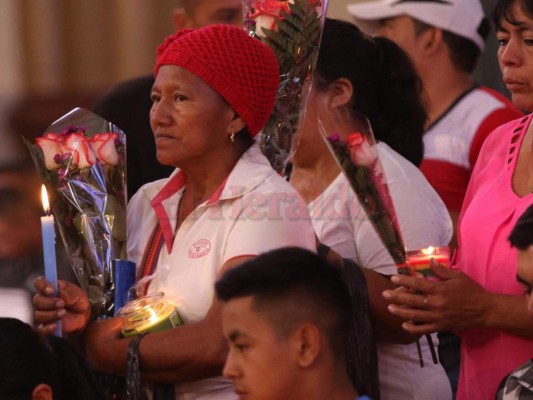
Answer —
243 70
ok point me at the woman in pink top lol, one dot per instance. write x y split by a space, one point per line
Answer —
483 301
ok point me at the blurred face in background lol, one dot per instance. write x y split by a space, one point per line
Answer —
199 13
402 31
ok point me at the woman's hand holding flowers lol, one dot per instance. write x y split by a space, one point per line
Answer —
81 159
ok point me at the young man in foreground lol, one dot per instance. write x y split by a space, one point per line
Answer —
285 318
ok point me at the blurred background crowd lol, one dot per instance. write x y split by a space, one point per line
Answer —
57 54
61 54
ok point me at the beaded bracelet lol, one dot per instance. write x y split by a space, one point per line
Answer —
134 385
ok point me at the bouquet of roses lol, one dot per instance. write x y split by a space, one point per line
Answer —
81 159
357 155
293 30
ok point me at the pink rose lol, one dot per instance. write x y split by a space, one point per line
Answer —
52 152
103 145
75 148
58 149
80 147
362 153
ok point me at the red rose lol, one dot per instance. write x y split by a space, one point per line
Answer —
266 12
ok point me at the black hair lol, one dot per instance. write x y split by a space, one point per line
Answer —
521 236
464 53
244 136
289 286
387 88
503 9
28 359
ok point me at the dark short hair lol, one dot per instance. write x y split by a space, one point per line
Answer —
464 53
386 85
503 8
521 236
290 286
26 360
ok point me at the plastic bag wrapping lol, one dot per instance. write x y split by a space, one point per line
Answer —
293 30
357 155
81 159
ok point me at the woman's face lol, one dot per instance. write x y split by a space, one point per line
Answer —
190 121
515 56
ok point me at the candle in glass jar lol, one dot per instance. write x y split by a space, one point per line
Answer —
49 249
150 313
419 260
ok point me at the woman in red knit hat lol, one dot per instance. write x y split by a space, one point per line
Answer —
214 90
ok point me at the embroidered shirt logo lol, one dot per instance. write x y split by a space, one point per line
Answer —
199 248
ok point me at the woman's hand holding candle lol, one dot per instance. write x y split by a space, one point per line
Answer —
419 261
104 338
70 305
454 303
150 313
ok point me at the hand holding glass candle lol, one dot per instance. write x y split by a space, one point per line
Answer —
49 249
419 261
150 313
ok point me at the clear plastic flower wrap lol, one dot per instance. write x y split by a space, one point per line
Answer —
81 159
293 30
357 155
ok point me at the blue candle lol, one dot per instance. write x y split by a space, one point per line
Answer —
49 249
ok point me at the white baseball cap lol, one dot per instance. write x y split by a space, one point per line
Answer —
462 17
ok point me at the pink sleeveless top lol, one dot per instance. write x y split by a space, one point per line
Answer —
489 212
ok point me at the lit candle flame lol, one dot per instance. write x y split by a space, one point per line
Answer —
44 199
153 316
429 251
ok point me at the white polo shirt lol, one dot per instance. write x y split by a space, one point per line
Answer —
342 224
254 211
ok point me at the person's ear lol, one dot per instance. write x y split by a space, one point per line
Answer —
236 124
181 20
340 93
432 40
306 342
42 392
